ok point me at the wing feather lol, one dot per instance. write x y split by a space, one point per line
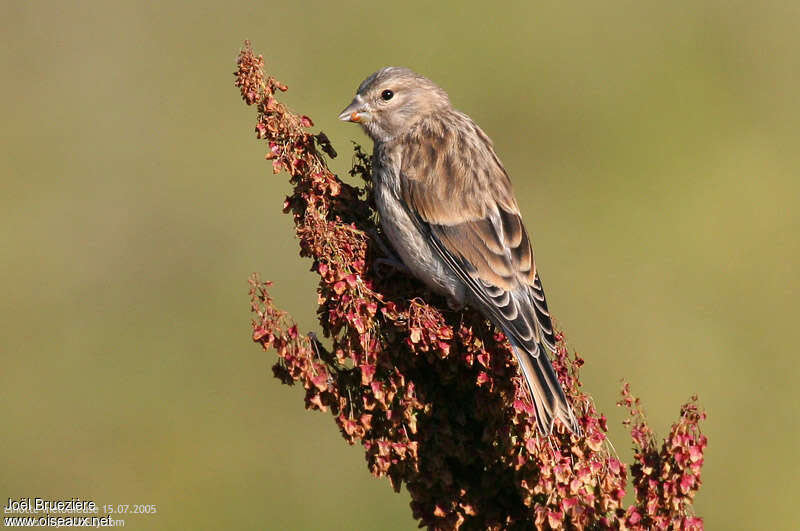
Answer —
459 195
477 229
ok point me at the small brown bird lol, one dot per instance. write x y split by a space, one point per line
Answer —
446 204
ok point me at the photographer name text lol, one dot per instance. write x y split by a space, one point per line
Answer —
41 505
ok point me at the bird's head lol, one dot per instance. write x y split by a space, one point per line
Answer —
392 100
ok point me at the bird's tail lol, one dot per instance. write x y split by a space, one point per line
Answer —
548 396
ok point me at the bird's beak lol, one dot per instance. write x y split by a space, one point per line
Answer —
356 111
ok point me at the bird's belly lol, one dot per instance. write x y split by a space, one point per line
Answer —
414 249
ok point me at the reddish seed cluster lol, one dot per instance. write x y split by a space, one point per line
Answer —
433 395
665 479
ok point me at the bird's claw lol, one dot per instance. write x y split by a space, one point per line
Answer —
455 305
389 260
392 263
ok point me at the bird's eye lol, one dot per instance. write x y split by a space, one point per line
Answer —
386 95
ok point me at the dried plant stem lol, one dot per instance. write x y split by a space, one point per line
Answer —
433 395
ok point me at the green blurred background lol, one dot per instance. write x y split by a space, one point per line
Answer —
654 149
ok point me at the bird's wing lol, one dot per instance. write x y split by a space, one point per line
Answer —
458 193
